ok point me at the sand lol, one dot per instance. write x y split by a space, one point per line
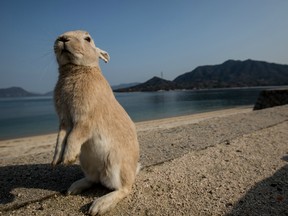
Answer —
229 162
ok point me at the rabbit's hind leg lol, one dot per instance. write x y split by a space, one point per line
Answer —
79 186
109 201
119 180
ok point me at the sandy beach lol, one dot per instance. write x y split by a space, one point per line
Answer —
228 162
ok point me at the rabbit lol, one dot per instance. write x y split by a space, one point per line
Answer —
93 124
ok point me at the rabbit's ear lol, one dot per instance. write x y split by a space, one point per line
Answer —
103 55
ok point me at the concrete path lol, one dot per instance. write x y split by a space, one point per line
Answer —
229 165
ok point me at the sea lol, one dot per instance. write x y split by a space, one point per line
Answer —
29 116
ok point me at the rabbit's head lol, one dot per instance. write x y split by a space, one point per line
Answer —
77 47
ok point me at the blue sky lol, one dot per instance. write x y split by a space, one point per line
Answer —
143 38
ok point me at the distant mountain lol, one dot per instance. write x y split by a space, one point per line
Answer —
125 85
50 93
16 92
231 73
235 74
154 84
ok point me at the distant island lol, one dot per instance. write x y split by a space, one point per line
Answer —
16 92
154 84
231 73
20 92
125 85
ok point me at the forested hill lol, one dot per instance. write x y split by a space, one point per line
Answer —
231 73
235 74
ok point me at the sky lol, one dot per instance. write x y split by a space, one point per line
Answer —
143 38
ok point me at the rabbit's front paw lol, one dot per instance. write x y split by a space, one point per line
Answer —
58 158
69 156
55 161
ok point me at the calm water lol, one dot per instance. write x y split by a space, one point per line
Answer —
20 117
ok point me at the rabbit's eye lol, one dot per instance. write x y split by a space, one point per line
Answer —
88 39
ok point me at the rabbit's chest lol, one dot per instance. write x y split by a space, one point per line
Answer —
73 93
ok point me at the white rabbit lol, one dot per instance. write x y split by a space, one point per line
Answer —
93 124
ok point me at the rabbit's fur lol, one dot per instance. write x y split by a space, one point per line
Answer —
93 124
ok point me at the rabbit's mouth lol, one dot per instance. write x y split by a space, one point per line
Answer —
65 51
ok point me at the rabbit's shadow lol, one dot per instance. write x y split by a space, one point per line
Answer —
39 176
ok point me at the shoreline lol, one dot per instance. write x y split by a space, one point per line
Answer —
53 131
12 148
178 118
175 121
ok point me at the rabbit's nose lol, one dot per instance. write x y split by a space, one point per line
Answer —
63 39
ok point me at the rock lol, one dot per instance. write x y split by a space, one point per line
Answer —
271 98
